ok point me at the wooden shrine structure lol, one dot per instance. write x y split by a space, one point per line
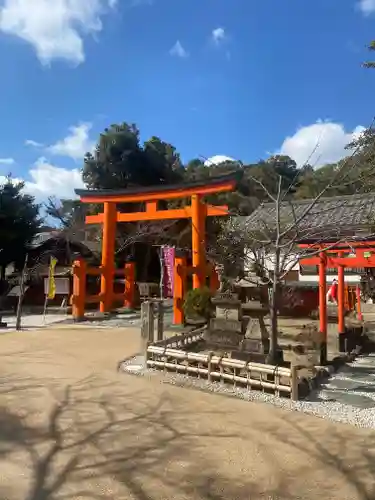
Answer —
197 211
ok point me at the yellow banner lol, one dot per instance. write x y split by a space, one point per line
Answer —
51 279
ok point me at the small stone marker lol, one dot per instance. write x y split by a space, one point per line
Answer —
257 336
147 325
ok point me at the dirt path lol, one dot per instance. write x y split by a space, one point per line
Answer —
71 427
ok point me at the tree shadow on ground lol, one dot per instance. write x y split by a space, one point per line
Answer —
133 448
352 457
103 442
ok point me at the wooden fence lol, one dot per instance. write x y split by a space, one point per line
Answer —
171 354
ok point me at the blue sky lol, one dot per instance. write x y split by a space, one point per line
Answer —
243 78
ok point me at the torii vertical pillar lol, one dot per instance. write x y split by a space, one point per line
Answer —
358 302
108 256
323 306
341 308
179 289
198 223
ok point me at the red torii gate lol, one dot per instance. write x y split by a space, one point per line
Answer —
197 211
338 256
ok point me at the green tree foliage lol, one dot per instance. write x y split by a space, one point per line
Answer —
363 158
238 201
285 166
120 161
19 222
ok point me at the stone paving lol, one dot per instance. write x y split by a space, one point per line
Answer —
125 319
32 321
353 385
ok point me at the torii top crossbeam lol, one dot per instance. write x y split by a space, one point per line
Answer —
151 195
211 185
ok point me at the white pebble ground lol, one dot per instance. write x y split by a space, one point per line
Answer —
348 396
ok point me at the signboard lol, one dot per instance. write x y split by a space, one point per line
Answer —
168 270
62 286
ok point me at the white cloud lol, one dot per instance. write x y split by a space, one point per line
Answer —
367 6
7 161
55 28
76 144
34 144
178 50
319 143
49 180
218 35
217 159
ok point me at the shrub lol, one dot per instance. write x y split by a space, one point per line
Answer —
197 303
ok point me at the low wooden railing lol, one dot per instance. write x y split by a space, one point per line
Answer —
171 354
214 368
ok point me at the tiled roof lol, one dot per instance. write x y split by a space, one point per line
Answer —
328 215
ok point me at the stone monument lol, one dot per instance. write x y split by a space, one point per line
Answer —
238 330
225 331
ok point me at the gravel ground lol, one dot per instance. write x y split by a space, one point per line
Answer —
343 398
37 321
33 321
122 320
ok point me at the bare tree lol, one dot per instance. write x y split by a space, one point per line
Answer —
265 244
21 294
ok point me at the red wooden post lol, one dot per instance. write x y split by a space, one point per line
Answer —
129 285
341 300
198 218
358 297
79 289
323 305
108 256
179 290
